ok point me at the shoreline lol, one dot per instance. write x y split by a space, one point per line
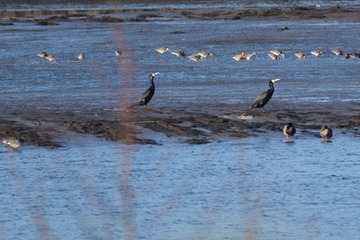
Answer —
45 129
143 14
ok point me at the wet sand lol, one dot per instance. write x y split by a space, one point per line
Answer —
47 129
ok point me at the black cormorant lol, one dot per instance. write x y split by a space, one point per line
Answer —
145 98
289 130
264 97
325 133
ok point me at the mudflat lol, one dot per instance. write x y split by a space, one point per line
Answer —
47 129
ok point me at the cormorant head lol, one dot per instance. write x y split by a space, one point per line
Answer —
274 80
154 74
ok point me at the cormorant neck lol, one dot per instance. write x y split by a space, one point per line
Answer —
271 85
152 80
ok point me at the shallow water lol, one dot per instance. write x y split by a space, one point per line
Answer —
253 188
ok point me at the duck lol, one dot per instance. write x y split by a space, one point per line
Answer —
326 133
289 131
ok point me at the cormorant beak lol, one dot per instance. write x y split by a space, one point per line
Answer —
275 80
155 73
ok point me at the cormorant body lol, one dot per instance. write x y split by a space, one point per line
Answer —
264 97
145 98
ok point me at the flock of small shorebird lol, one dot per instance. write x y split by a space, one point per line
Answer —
289 130
275 54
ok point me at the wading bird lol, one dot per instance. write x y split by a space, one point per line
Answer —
244 56
278 53
205 54
12 143
289 131
317 53
196 57
337 52
42 54
162 50
300 55
81 56
326 133
118 53
264 97
50 58
145 98
273 56
178 53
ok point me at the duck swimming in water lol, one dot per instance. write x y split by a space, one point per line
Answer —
289 131
326 133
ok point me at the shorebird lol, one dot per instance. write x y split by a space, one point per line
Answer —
337 52
178 53
162 50
249 56
264 97
244 56
300 55
51 58
278 53
205 54
289 131
145 98
317 53
81 56
12 143
326 133
42 54
273 56
196 57
239 56
118 53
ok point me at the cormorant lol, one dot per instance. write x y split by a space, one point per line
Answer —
325 133
145 98
264 97
289 130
